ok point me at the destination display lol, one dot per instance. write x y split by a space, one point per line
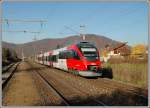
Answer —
88 49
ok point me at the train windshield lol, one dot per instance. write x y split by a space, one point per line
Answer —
91 54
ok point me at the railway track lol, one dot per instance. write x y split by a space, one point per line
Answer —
67 92
6 68
53 89
110 86
8 73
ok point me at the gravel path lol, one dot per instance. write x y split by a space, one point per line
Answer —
21 90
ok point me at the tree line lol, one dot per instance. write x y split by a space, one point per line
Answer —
9 56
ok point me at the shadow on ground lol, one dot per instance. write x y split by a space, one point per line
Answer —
30 69
116 98
107 73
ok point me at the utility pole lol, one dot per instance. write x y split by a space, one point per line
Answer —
8 21
81 33
69 28
82 30
24 31
22 55
34 39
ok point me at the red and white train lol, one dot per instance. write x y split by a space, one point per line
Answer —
82 59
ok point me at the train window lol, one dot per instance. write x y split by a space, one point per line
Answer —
46 58
54 58
75 55
69 54
61 55
50 58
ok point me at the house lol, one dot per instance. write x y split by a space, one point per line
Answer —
119 51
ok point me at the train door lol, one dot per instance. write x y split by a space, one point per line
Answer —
50 62
55 59
44 59
62 64
47 62
41 58
62 61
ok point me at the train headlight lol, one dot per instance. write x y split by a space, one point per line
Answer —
92 68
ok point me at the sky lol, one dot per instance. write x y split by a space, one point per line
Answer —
121 21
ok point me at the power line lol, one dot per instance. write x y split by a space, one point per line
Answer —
121 15
21 31
71 29
20 20
8 21
82 28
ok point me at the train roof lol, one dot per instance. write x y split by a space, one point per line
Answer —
85 44
79 44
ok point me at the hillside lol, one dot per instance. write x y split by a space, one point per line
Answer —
49 44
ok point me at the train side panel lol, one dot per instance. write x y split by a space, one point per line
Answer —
59 63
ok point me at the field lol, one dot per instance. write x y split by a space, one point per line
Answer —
135 73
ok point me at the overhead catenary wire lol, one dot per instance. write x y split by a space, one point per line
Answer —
72 29
23 20
114 19
21 31
91 16
80 33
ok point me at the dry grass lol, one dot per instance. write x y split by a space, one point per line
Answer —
134 73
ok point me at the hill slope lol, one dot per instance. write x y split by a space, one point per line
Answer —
48 44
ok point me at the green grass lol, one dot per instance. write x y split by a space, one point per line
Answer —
134 73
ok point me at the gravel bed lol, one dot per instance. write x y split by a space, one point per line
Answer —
50 99
97 88
73 95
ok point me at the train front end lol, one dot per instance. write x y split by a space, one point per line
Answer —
91 60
